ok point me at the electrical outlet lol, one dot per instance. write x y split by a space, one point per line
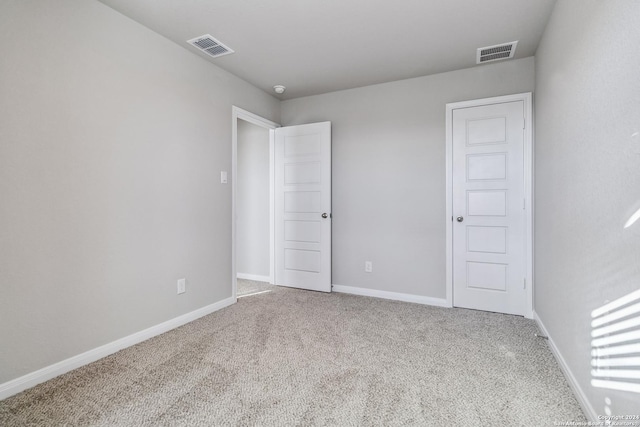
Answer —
368 266
182 286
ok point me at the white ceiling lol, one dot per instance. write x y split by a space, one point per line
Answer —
318 46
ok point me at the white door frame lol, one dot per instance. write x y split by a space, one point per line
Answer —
239 113
528 188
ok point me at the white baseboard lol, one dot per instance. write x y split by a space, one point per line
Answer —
396 296
256 277
34 378
587 408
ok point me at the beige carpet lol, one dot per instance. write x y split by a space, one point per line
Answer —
291 357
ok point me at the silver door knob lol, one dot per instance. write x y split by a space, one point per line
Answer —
460 219
325 215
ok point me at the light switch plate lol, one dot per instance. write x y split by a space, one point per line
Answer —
182 286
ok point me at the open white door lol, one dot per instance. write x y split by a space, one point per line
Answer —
489 209
303 206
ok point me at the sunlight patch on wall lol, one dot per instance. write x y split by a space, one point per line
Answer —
615 345
632 219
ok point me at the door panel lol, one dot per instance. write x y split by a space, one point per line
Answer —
486 203
302 195
488 199
302 231
296 201
486 130
486 166
487 239
302 260
303 173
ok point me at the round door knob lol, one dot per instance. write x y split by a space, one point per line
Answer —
325 215
460 219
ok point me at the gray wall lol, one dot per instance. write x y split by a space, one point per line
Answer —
388 159
252 200
112 140
587 176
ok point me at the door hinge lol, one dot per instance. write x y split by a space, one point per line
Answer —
524 123
525 283
524 203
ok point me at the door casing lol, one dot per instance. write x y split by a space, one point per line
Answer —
528 190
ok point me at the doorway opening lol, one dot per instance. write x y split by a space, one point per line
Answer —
252 179
299 199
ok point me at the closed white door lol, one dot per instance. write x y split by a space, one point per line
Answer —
489 208
303 206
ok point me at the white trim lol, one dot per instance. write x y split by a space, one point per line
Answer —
587 408
256 277
239 113
248 116
528 188
449 206
41 375
272 206
396 296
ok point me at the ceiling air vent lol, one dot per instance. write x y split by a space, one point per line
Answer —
210 46
496 52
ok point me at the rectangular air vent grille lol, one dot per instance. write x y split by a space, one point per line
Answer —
496 52
210 46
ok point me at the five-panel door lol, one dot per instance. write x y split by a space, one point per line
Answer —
488 208
303 206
